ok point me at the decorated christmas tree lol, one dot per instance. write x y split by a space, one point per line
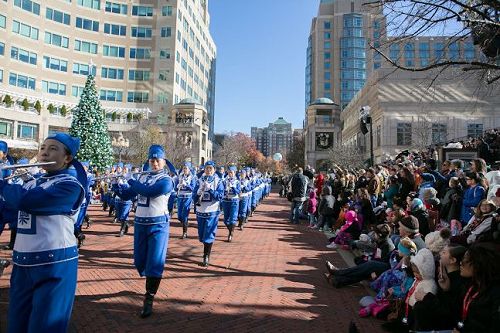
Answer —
90 126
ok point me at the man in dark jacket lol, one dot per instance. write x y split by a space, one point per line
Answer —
298 186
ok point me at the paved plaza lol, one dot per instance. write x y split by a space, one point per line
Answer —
269 279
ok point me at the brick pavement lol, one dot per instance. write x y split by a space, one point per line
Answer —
269 279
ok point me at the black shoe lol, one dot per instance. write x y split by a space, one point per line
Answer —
184 232
206 259
184 235
230 238
147 307
330 267
6 247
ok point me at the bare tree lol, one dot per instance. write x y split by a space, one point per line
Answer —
346 157
457 19
296 155
236 148
421 133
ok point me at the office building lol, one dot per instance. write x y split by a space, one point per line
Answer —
275 138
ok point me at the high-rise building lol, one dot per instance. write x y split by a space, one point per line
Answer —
339 58
276 138
146 57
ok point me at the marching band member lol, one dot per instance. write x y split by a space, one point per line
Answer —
82 214
209 191
43 280
231 200
122 205
173 195
186 183
151 224
244 198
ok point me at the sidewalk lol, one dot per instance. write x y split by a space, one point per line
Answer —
269 279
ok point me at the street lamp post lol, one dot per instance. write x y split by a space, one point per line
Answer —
366 118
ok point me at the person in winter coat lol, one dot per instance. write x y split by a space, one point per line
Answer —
348 232
418 210
424 286
392 190
472 196
481 299
479 224
452 201
311 208
298 185
326 208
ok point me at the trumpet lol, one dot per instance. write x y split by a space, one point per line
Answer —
25 166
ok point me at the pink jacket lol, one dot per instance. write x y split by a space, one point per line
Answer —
312 203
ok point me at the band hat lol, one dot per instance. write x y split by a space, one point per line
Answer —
23 160
72 143
210 163
85 164
409 224
156 151
233 168
4 147
189 165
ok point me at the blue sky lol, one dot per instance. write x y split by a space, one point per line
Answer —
261 56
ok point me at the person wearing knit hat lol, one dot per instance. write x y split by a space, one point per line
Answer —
151 223
420 212
409 227
45 256
437 241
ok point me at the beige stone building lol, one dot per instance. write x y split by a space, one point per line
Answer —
409 112
146 57
322 130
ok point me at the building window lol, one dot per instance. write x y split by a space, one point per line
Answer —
137 97
438 51
82 69
27 131
163 75
328 55
112 73
111 95
115 29
474 130
166 11
5 128
55 64
162 98
142 32
166 31
327 25
439 133
28 5
164 54
142 11
3 20
87 24
403 134
113 51
87 47
57 16
138 75
469 51
22 81
57 40
1 75
327 45
23 55
378 135
116 8
394 52
24 30
54 88
327 35
139 53
76 91
454 51
93 4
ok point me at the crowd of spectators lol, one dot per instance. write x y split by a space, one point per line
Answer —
425 235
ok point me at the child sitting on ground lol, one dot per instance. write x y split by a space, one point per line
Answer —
349 231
